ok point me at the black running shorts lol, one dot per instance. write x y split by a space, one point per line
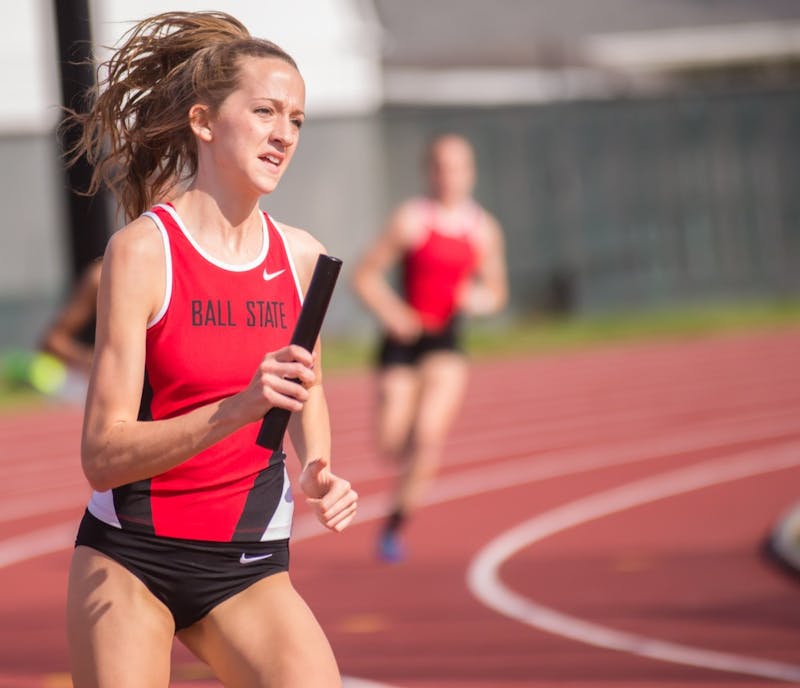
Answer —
190 577
392 352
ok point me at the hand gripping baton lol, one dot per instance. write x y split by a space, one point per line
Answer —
305 334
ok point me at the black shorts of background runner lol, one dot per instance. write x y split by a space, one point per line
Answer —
190 577
393 352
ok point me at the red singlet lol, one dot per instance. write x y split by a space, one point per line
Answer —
436 269
216 324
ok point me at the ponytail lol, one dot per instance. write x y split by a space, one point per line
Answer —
136 132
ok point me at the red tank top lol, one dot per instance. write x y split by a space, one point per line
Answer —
436 269
217 323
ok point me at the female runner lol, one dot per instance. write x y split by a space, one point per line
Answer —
187 528
452 258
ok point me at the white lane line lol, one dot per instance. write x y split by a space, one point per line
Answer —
50 496
462 484
468 482
547 443
37 543
484 581
542 465
465 484
74 498
56 538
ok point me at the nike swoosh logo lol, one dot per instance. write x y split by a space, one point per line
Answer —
272 275
244 559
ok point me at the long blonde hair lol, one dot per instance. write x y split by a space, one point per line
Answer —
135 132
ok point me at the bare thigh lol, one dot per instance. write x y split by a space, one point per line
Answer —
119 634
264 637
397 408
443 383
443 378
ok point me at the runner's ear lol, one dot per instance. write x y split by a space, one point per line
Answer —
200 122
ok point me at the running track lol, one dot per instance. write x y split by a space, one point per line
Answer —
597 523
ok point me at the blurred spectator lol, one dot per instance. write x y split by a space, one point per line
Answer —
70 335
59 366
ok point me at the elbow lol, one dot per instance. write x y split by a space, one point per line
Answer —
498 296
97 479
487 301
106 455
47 343
100 485
357 282
95 469
364 282
501 301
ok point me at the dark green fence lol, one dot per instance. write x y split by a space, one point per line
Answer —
633 203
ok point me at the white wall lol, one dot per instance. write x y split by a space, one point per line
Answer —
335 43
29 93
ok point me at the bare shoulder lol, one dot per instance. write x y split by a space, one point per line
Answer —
304 247
86 290
92 274
489 231
134 265
405 224
137 244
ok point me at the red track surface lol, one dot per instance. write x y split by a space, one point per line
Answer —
641 481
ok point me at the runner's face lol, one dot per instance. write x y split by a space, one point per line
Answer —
258 125
451 170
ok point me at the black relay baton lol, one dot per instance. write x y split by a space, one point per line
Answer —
305 334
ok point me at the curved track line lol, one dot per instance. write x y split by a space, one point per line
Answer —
529 468
484 582
37 543
59 537
55 538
